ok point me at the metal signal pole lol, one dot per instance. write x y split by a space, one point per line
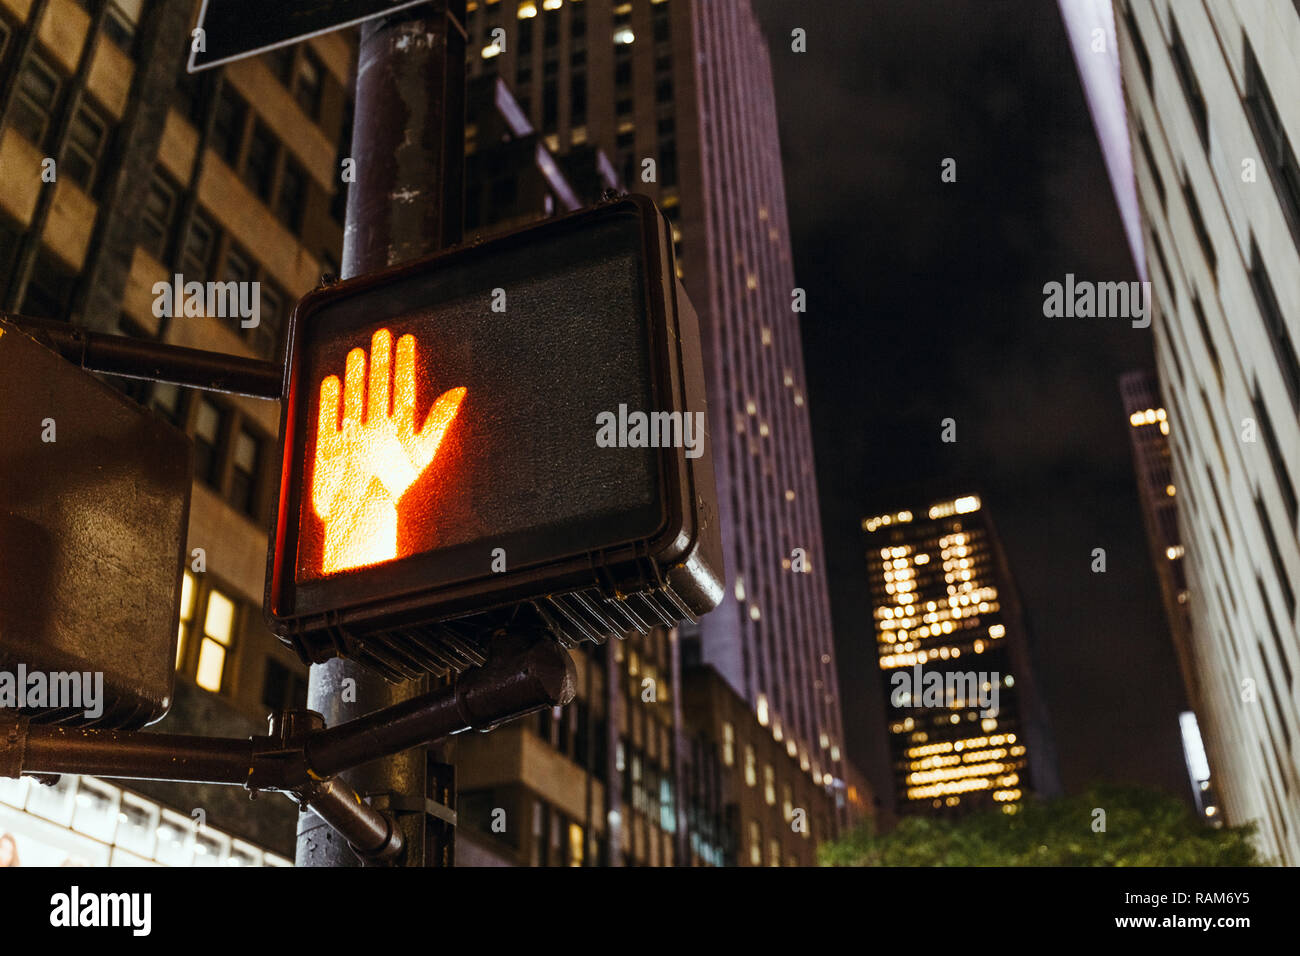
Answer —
408 153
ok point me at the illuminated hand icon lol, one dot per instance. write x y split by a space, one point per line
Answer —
364 467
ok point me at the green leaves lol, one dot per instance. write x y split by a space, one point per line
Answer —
1142 828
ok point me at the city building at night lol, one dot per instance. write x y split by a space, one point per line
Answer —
591 784
230 175
234 175
1157 494
748 801
679 94
657 754
1214 129
967 728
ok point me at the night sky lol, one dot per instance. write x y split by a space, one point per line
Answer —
925 302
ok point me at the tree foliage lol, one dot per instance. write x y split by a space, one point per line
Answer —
1142 828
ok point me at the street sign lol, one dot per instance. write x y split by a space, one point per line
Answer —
94 510
233 29
518 420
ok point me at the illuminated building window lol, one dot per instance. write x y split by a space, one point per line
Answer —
755 844
218 630
787 802
769 785
188 595
526 10
728 744
762 709
751 770
774 852
575 845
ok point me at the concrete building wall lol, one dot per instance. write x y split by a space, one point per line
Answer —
1222 231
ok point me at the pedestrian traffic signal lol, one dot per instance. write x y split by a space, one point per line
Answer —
520 420
94 507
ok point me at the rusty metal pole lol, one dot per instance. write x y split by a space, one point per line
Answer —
408 151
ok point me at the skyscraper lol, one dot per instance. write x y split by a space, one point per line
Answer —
1157 494
1215 128
966 726
679 93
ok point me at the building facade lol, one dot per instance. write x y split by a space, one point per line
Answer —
121 170
747 801
679 94
967 728
1215 128
595 783
1157 494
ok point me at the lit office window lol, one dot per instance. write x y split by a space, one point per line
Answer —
187 616
755 844
769 785
575 845
751 771
218 627
728 744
